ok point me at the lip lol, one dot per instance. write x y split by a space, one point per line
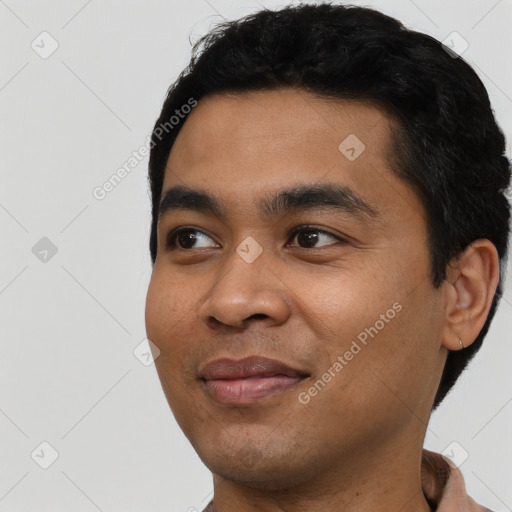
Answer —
249 380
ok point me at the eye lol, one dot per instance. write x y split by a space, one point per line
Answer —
309 235
185 238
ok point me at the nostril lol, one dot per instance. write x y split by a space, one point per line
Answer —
258 316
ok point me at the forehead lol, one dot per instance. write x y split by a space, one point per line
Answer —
231 126
243 144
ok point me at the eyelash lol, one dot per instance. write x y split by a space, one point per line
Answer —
171 239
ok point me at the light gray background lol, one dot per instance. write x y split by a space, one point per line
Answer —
69 326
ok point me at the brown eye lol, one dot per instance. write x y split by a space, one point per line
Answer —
310 235
185 238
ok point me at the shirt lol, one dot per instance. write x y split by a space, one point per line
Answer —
443 486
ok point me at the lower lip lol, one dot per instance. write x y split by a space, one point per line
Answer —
248 390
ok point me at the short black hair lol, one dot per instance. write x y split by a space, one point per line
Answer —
448 146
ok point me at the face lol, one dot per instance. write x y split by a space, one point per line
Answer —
309 253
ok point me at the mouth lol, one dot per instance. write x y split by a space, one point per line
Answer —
249 380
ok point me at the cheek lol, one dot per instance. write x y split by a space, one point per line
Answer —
344 304
157 309
400 357
165 317
151 309
166 326
375 324
167 301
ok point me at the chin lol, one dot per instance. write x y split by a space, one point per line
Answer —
258 467
265 476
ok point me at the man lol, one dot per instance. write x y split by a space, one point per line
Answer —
329 223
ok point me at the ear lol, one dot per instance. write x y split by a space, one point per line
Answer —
471 282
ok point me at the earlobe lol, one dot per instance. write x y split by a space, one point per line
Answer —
472 281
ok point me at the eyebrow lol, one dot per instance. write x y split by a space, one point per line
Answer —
303 197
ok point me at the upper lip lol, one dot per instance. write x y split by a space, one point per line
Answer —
252 366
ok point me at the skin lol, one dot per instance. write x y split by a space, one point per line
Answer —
357 444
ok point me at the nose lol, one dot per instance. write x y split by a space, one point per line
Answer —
245 292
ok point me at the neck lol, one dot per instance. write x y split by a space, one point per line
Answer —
384 481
